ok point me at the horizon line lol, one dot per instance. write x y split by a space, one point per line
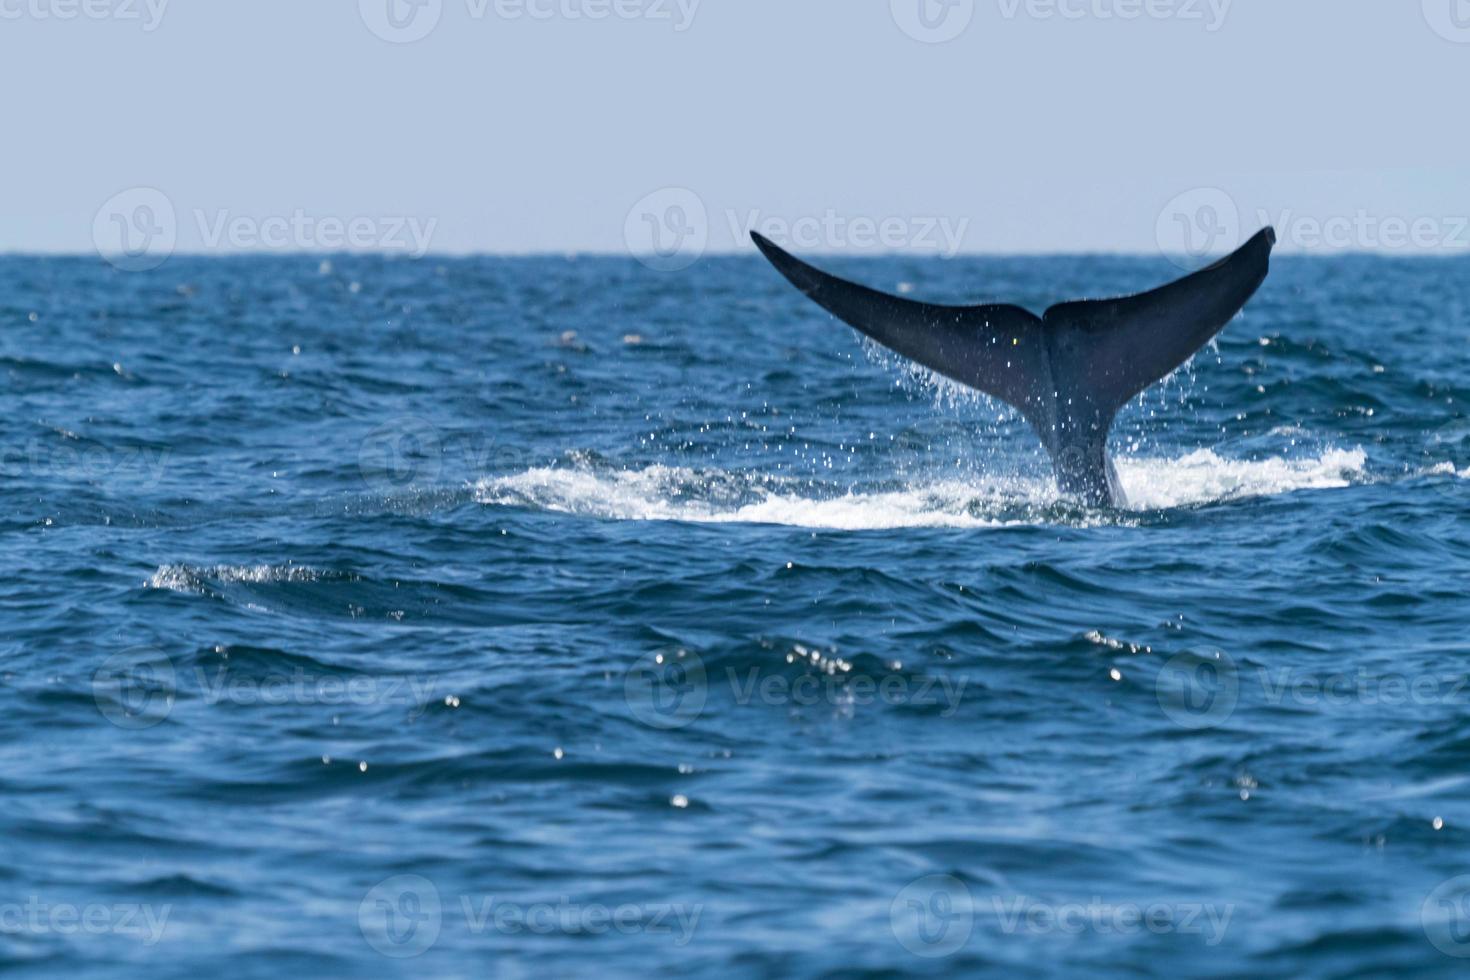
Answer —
574 254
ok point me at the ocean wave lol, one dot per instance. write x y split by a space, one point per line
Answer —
670 493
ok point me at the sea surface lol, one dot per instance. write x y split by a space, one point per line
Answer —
563 617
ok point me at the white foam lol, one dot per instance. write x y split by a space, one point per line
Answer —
1203 477
1448 469
192 578
667 493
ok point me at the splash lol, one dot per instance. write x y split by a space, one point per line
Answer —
668 493
194 578
1203 477
1448 469
665 493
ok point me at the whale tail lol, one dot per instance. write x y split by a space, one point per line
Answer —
1068 371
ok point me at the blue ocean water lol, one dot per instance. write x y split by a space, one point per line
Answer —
523 616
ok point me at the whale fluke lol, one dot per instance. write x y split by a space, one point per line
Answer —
1069 371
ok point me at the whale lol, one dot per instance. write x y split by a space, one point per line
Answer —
1069 371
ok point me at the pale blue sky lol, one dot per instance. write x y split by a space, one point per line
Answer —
1045 125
